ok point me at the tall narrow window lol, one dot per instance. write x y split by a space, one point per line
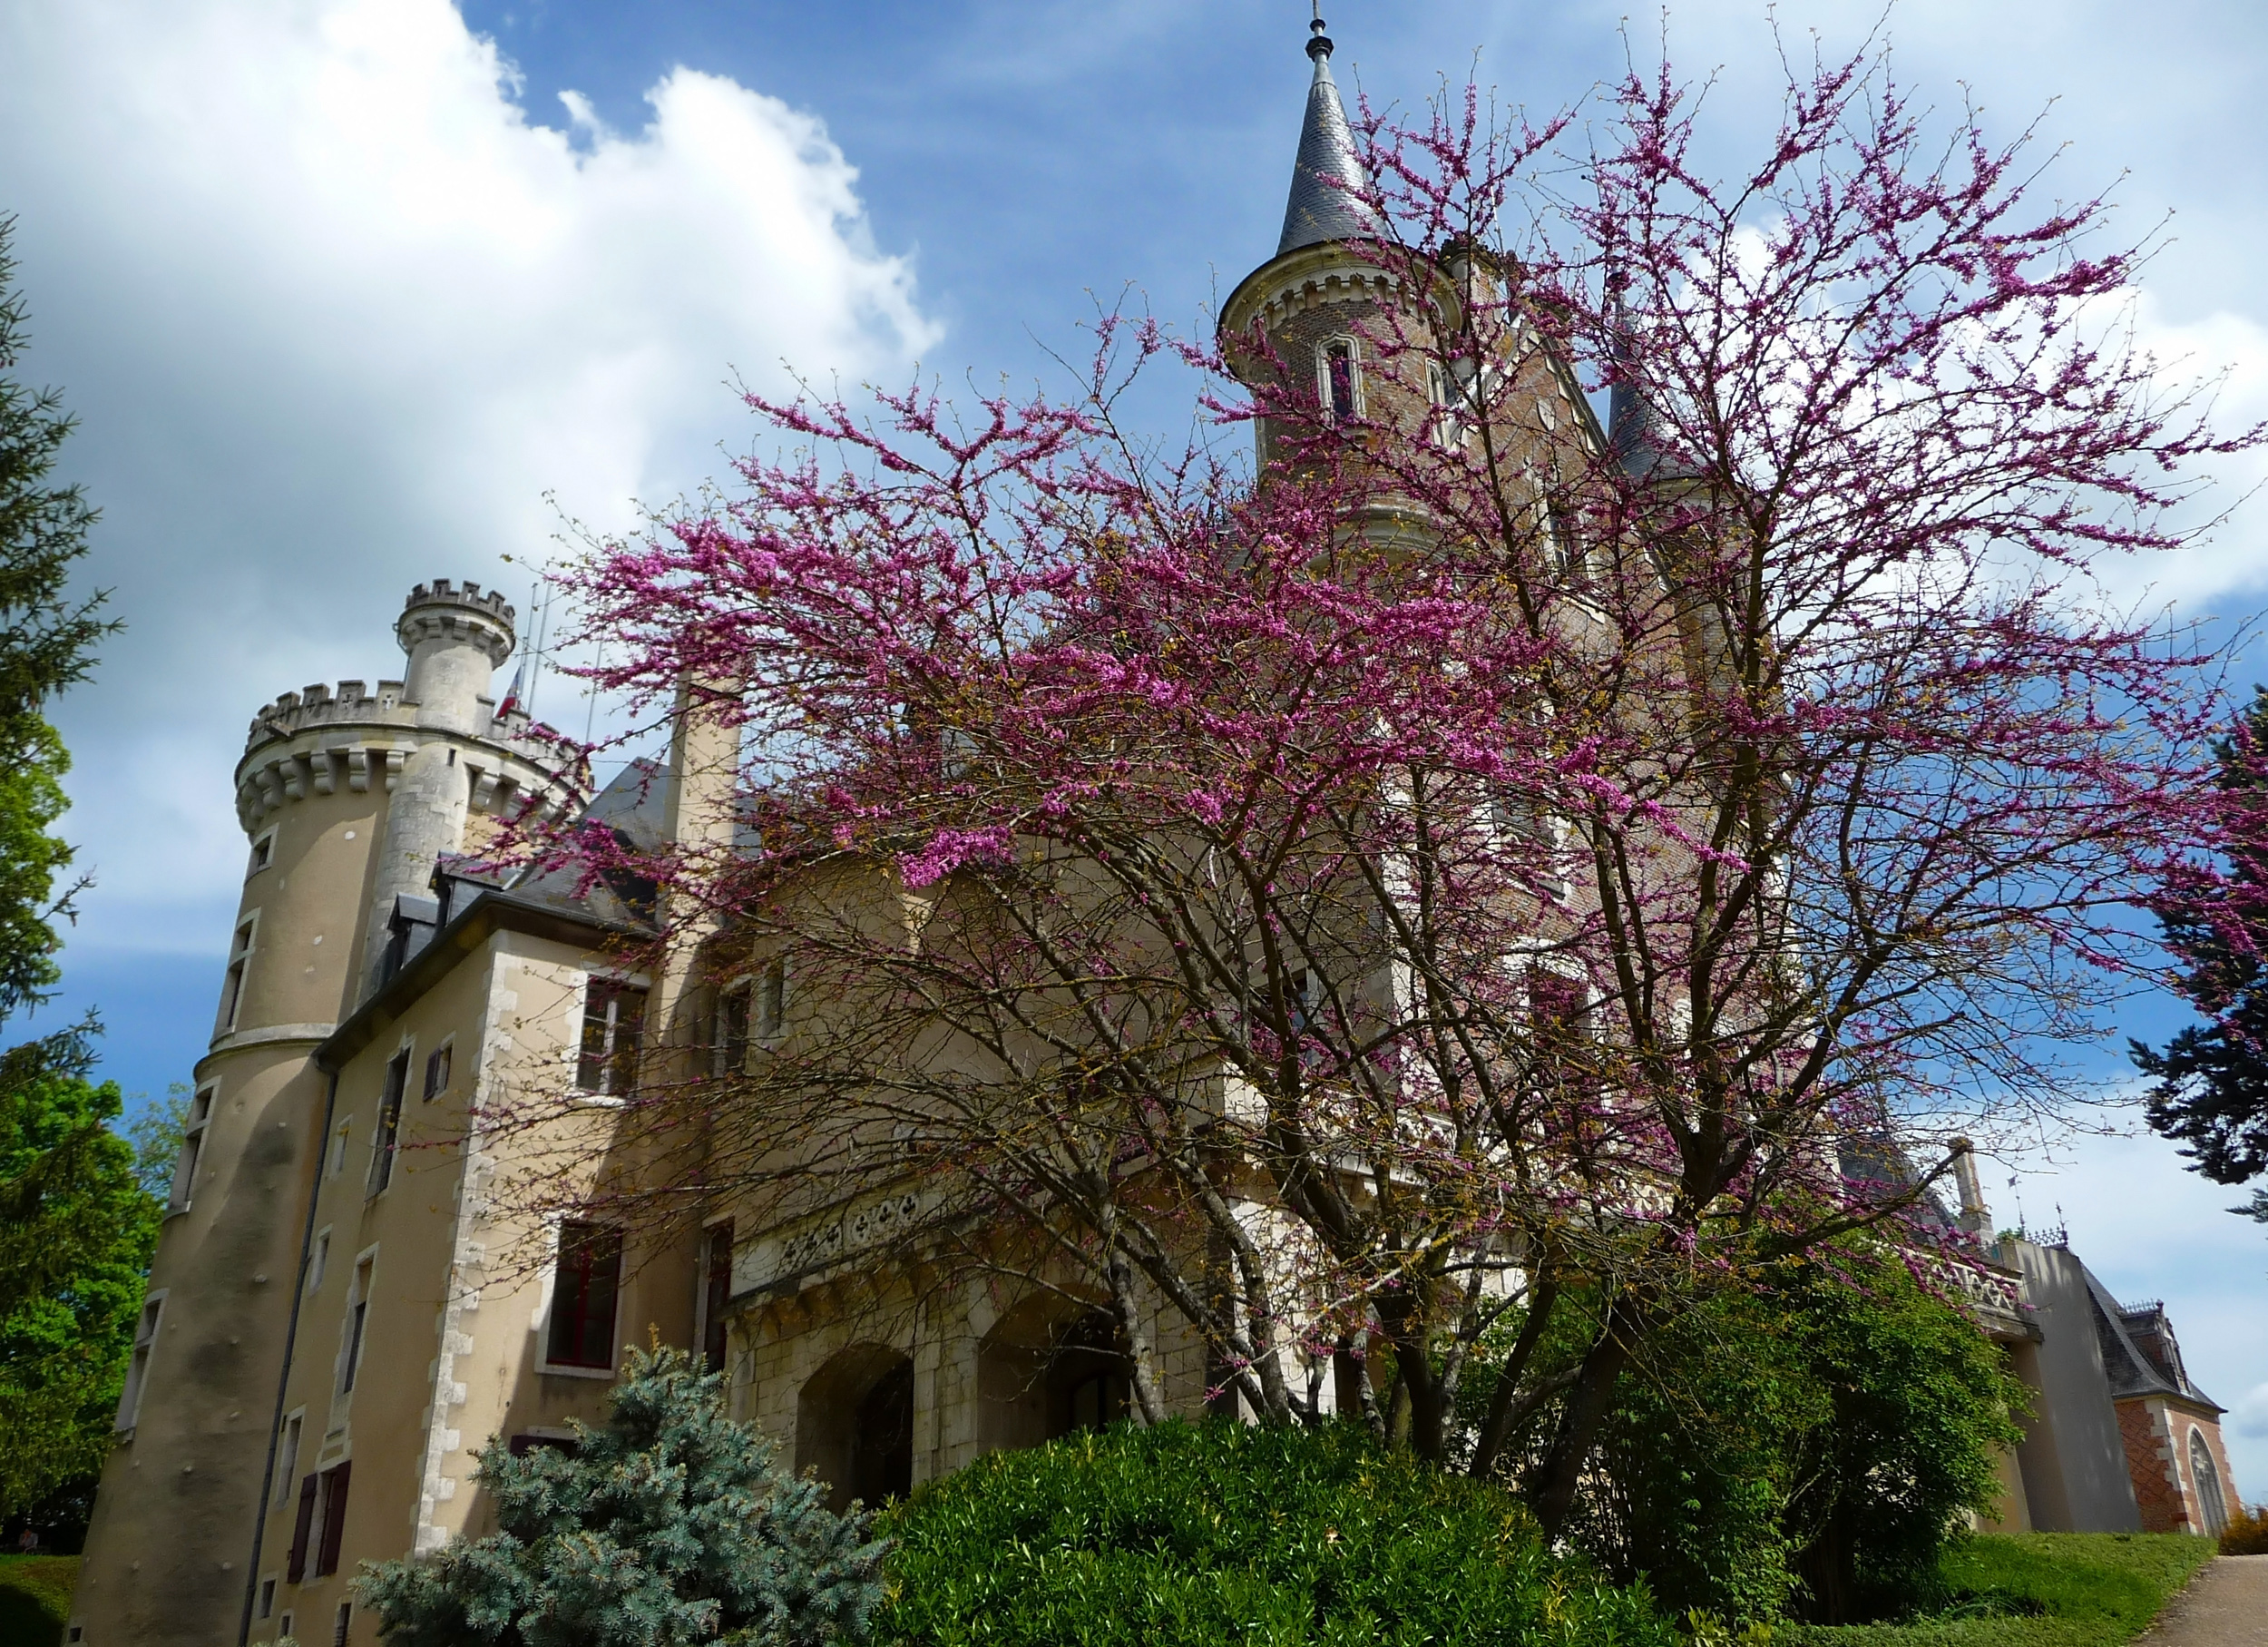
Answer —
333 1519
138 1368
715 1293
583 1288
1342 386
1560 1028
358 1317
771 1000
345 1620
1441 425
287 1458
319 1260
338 1148
267 1597
613 1018
732 1032
389 1133
302 1532
232 992
437 1072
193 1149
2211 1505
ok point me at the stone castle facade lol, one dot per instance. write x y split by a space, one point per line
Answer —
342 1312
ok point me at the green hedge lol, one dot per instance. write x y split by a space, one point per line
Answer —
1226 1533
36 1598
2035 1590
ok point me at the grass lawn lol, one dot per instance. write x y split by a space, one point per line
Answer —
36 1598
2037 1590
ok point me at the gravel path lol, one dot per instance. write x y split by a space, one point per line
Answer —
2225 1606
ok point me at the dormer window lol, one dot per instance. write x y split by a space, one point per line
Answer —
1339 371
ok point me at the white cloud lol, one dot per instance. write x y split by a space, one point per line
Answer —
337 316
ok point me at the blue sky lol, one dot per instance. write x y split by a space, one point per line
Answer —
346 291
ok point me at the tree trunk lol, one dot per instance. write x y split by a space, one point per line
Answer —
1497 1427
1561 1472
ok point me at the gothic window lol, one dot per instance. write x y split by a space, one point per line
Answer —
1339 383
2211 1505
585 1285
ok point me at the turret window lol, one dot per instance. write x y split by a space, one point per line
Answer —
239 957
1339 374
193 1149
138 1368
263 854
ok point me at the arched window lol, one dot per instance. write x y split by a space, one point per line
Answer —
1340 374
2210 1504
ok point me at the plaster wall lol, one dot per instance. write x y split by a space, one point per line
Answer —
169 1543
460 1282
2074 1459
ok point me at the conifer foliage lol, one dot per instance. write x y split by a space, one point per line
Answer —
2211 1090
668 1526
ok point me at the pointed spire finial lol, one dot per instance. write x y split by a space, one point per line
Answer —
1329 187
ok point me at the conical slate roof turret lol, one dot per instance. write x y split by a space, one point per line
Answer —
1634 427
1330 189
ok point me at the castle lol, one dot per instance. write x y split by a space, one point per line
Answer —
339 1316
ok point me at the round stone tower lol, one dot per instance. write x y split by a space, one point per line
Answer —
347 797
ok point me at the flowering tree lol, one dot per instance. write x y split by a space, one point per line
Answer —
1479 863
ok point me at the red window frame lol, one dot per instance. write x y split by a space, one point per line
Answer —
586 1290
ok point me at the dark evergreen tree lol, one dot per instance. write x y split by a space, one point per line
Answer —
46 643
2210 1091
668 1526
75 1229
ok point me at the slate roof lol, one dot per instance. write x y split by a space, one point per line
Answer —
1329 185
2140 1355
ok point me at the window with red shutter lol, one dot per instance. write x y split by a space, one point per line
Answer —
333 1519
295 1568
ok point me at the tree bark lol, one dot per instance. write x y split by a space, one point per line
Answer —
1561 1472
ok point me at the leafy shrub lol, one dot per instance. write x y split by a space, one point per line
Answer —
1223 1532
1806 1441
2036 1590
2247 1532
666 1526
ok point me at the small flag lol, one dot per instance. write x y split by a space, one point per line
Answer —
512 697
